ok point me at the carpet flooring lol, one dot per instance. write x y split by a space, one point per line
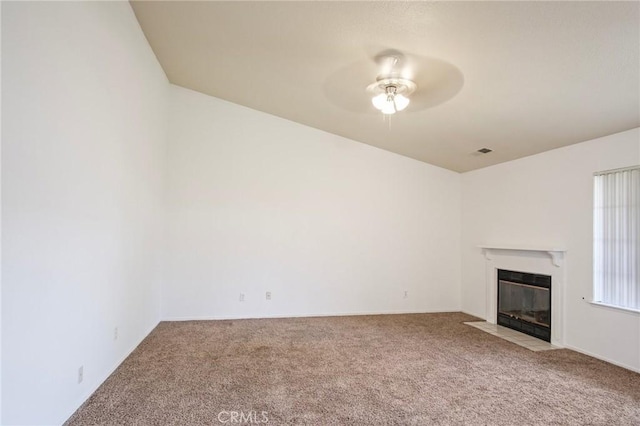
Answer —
420 369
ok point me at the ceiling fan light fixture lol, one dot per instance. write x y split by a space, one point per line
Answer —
391 94
401 102
389 107
390 103
379 101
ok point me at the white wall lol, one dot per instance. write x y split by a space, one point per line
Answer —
330 226
83 132
547 200
0 222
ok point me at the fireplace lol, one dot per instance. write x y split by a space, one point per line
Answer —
524 303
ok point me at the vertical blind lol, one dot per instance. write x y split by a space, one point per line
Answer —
617 238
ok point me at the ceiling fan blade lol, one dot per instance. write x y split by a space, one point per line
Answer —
438 81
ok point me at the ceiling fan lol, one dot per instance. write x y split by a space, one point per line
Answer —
400 81
391 90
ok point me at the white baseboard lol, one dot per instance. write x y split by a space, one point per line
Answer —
601 358
105 376
480 317
301 315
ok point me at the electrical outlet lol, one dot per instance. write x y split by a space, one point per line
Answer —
80 374
242 297
406 294
268 295
115 333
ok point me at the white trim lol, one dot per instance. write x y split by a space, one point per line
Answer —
521 247
617 308
601 358
556 253
480 317
318 315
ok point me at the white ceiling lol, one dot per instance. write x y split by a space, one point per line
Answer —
517 77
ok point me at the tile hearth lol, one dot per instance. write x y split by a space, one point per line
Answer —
513 336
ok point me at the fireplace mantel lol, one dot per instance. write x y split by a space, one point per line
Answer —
556 253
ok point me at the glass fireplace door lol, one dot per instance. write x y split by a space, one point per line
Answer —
524 303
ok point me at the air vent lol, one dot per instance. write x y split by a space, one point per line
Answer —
484 151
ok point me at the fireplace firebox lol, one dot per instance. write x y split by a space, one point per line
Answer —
524 303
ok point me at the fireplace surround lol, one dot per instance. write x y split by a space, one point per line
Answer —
543 260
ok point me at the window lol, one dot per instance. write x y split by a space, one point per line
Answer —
616 239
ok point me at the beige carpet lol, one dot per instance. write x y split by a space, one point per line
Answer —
423 369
